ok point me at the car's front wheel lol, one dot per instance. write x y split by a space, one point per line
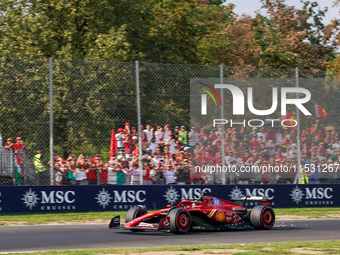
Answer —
180 221
262 217
133 213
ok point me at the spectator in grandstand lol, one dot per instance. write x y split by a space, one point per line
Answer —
180 176
166 132
128 145
147 180
261 134
104 173
115 175
169 175
271 147
148 132
135 140
179 145
197 151
176 133
155 159
134 131
166 155
127 174
193 136
219 131
72 157
161 163
159 176
186 168
119 160
158 134
71 166
183 135
160 144
81 170
135 150
152 145
64 169
58 173
94 169
9 144
120 137
145 143
135 172
134 160
336 156
252 134
313 172
171 144
278 136
254 143
212 136
19 145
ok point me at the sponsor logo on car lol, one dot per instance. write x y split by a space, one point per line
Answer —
166 223
143 224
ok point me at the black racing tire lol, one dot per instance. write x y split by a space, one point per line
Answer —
133 213
262 217
180 221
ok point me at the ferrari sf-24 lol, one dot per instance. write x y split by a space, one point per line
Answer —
207 214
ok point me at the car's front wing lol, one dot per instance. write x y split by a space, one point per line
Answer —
162 225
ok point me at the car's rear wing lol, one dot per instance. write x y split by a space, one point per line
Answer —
244 199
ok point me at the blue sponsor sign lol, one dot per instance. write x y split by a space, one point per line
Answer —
30 199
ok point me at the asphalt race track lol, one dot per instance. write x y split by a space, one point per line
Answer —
93 236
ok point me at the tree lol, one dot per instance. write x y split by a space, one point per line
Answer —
290 37
231 44
332 35
64 29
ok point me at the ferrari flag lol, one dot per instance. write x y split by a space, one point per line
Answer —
320 112
290 121
113 145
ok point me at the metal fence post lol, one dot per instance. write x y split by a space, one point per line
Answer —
51 122
298 130
139 122
223 134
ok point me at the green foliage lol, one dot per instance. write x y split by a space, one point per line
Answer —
167 31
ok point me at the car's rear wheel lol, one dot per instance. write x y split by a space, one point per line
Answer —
133 213
180 221
262 217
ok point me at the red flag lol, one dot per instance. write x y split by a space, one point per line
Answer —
113 146
290 121
320 112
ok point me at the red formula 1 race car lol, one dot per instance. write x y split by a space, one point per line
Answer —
208 214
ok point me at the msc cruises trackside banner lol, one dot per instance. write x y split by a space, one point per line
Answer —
29 199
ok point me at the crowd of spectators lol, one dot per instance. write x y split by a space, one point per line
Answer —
176 155
266 146
171 156
165 160
19 145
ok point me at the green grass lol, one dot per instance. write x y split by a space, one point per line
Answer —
258 248
43 218
312 213
88 217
